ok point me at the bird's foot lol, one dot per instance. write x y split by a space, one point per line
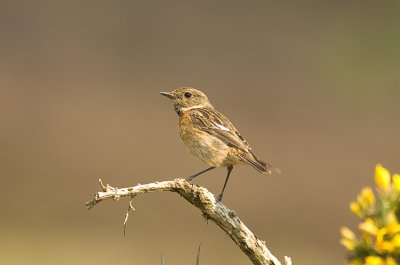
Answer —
190 178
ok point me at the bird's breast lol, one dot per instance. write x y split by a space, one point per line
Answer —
209 149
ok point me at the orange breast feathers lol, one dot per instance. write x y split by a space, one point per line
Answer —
202 145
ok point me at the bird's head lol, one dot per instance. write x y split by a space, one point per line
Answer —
186 98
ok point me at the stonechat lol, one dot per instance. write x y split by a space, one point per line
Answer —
210 136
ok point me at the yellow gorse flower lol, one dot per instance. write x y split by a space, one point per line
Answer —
390 261
382 177
379 239
393 225
367 198
369 227
347 233
365 201
388 237
348 238
356 209
396 182
374 260
382 245
396 241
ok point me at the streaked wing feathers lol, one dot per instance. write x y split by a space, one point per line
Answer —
215 123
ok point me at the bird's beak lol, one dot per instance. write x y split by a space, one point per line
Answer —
168 95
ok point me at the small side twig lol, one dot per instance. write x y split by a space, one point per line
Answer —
130 208
288 261
204 200
162 259
198 256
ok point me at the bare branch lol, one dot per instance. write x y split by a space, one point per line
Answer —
200 197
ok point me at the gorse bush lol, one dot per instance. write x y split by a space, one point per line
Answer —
378 242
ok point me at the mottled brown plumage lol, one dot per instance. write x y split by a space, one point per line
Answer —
210 136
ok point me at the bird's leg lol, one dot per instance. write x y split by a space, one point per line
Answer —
219 198
201 172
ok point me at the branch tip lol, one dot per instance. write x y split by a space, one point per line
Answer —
288 261
103 188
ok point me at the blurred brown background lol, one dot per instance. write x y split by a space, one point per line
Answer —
313 86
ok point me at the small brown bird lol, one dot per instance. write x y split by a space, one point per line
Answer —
210 136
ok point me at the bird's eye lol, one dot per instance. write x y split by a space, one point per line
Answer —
188 95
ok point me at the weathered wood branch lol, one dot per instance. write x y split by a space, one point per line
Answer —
200 197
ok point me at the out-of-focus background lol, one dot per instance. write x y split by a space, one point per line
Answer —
313 86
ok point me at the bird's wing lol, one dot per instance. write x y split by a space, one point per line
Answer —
216 124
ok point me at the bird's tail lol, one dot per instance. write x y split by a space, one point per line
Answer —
259 165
